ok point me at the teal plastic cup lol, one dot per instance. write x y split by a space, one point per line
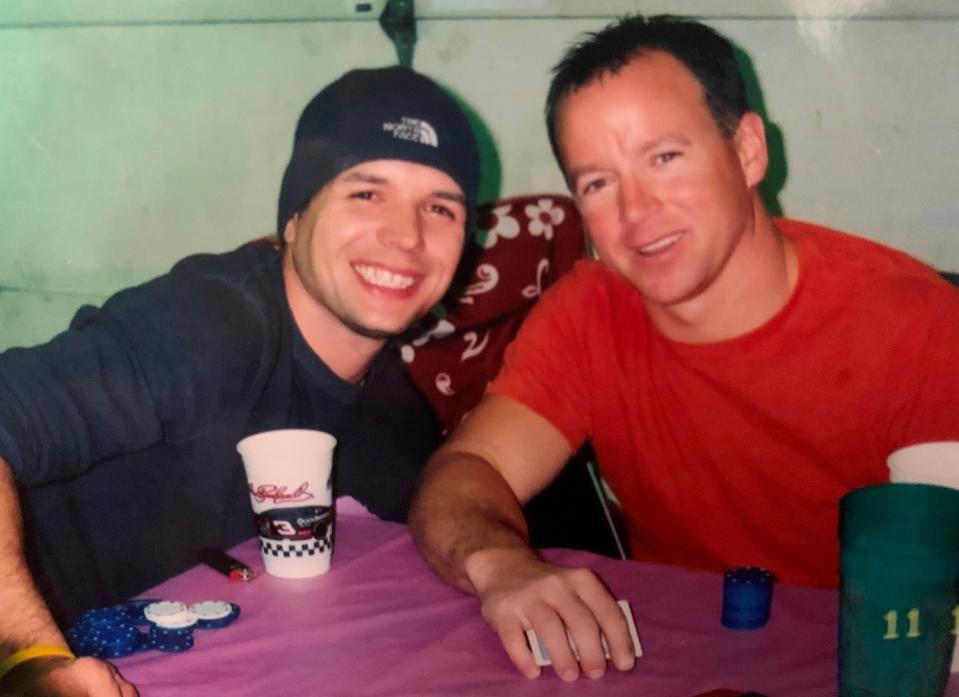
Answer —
899 590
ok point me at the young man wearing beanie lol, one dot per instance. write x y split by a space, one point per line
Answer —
121 432
735 373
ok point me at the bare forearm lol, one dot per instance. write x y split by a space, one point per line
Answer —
24 617
465 518
468 523
469 526
26 621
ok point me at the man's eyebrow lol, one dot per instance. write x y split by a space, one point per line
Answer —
581 171
451 196
670 138
363 178
664 140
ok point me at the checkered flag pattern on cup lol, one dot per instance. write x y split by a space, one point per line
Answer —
291 548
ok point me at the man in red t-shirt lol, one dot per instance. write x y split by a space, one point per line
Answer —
735 373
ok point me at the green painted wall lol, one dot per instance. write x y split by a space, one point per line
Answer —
134 133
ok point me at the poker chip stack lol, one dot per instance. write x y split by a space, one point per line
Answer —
171 626
747 594
214 614
114 632
105 633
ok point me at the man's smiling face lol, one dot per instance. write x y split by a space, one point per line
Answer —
665 195
377 246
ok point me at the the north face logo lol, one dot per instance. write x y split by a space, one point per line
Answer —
416 130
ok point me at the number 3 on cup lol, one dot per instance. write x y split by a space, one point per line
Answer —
284 528
892 623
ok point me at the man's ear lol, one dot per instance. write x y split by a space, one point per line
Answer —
289 232
750 141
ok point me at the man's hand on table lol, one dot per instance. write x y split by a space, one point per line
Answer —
519 591
59 677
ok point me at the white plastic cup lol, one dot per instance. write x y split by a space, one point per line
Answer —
289 477
928 463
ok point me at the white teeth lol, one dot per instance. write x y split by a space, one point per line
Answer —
660 244
382 277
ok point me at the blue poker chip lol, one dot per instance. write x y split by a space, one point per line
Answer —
171 640
102 617
104 633
747 596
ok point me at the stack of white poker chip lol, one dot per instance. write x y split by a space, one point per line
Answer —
170 614
214 614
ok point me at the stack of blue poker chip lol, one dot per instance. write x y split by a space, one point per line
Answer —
171 625
747 594
171 640
104 633
112 632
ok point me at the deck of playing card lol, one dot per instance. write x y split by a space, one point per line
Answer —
541 655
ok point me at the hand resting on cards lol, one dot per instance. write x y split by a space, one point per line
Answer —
468 522
519 593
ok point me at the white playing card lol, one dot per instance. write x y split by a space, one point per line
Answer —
541 655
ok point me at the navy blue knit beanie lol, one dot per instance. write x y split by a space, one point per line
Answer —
378 114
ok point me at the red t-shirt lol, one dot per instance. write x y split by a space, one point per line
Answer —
736 453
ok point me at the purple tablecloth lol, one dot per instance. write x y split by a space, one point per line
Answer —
380 623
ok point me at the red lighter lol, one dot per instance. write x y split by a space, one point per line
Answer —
232 568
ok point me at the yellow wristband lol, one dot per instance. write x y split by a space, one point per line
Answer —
29 653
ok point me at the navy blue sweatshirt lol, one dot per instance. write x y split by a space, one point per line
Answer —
122 430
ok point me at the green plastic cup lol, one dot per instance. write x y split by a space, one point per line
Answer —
899 590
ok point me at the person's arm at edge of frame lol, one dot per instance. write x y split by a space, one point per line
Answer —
25 621
468 523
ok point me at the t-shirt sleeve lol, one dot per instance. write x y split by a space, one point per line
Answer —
546 367
923 382
156 362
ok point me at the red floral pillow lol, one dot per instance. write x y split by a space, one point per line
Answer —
527 243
